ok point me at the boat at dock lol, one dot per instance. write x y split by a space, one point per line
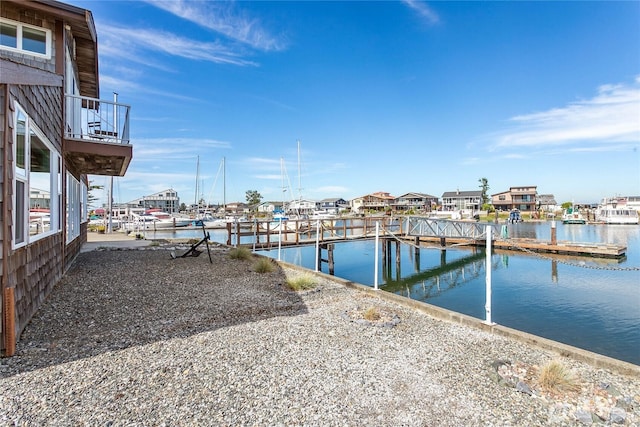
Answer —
616 211
572 216
156 219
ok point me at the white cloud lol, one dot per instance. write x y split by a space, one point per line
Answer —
161 149
423 10
610 117
224 18
133 40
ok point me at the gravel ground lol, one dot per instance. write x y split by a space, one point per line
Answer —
135 338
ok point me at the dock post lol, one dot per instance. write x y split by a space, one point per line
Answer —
229 233
375 262
553 233
487 305
330 258
318 245
398 275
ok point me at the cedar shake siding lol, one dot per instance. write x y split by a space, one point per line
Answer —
47 152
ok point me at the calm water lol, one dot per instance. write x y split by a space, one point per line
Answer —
585 302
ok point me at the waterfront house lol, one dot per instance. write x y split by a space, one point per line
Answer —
55 132
522 198
547 203
462 200
332 205
301 207
417 202
237 208
269 207
374 202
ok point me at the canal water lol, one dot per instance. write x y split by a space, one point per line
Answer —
589 303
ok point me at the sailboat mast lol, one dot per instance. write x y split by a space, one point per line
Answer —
195 199
299 177
224 186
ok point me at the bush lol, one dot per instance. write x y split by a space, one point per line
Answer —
301 283
241 253
264 265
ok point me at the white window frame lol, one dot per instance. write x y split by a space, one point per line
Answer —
73 207
23 176
20 26
84 196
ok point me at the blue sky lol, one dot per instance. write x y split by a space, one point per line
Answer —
382 96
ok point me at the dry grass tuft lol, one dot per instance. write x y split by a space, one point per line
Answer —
264 265
301 283
241 253
372 314
554 377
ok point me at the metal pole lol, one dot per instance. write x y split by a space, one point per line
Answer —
280 239
318 245
375 262
487 306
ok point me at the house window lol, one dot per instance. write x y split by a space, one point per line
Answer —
73 207
36 212
19 37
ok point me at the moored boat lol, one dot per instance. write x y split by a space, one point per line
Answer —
572 216
616 211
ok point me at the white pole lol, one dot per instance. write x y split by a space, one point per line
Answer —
487 306
375 262
280 239
317 245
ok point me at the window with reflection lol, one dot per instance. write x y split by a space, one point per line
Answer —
36 198
24 38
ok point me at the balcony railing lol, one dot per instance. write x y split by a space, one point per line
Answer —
96 120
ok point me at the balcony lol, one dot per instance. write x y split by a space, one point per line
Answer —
96 139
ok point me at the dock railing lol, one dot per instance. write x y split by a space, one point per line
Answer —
430 227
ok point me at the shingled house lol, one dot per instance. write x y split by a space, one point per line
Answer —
55 132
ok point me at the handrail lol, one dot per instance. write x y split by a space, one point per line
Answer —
96 120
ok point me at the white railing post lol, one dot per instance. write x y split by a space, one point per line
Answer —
280 239
487 306
318 245
375 262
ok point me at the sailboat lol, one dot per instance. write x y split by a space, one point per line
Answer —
208 219
289 219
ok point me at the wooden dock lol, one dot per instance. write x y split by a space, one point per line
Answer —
594 250
598 250
364 228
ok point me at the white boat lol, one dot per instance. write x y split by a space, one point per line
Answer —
154 219
616 211
572 216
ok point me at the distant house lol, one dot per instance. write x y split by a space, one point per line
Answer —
378 201
237 208
269 207
522 198
418 202
301 206
56 131
462 200
167 200
332 205
547 203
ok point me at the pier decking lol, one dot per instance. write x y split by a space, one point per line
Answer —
412 230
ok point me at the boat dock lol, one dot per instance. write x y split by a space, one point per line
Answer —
419 232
